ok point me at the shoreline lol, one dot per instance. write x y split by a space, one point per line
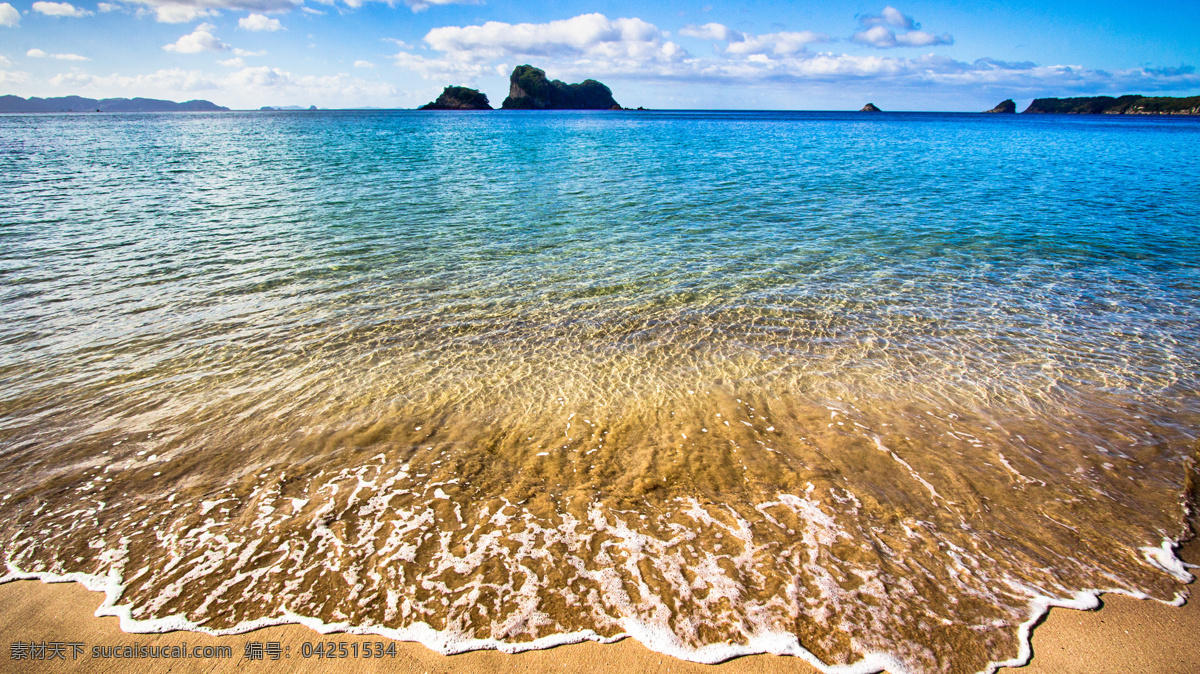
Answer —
1124 634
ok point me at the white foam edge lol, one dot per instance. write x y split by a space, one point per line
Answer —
446 643
659 641
1162 558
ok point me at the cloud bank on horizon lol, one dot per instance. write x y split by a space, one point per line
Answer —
654 55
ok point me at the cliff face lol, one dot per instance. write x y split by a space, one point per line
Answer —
1124 105
80 104
1005 107
530 89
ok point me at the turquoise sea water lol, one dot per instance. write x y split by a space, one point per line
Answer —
967 342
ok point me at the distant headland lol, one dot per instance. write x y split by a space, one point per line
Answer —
80 104
1133 104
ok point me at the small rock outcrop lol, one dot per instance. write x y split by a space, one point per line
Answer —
1005 106
870 107
459 98
530 89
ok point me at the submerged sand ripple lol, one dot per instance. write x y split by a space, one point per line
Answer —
522 502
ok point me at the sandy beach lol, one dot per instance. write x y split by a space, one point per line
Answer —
1125 635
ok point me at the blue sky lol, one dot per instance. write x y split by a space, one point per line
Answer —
830 55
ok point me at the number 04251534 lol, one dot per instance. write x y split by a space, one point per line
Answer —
342 649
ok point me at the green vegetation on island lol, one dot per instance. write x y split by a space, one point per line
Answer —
80 104
459 98
530 89
1132 104
1005 107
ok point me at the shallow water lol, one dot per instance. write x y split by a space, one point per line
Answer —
872 390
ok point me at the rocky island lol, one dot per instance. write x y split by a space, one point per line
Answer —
1005 107
459 98
1132 104
80 104
530 89
870 107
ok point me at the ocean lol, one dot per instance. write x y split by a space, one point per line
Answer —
870 390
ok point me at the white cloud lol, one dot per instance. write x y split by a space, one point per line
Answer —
4 62
247 52
446 67
877 34
200 39
13 77
262 76
156 83
59 9
780 44
890 16
260 22
942 73
39 54
275 84
421 5
183 11
590 42
72 80
9 16
180 13
710 31
250 87
363 64
235 62
631 49
919 38
883 38
107 7
587 34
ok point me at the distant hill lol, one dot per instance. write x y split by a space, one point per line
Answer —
80 104
530 89
1133 104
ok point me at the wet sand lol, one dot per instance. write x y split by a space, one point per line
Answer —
1125 635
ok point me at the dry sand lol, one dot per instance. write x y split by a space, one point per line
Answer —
1127 635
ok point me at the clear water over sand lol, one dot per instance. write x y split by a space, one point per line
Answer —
727 382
